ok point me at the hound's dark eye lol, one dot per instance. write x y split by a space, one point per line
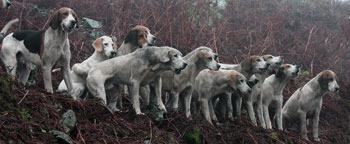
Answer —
66 13
209 58
176 55
241 81
270 57
258 59
288 66
105 44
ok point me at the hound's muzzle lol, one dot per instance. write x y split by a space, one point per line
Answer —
178 71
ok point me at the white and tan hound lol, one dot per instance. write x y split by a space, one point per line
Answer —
104 49
135 69
210 83
46 48
306 102
271 93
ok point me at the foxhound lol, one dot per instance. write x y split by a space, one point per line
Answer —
306 102
104 49
253 99
210 83
248 67
135 69
5 4
183 82
271 92
46 48
138 37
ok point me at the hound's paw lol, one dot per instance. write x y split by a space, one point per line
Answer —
115 109
306 138
141 113
317 139
218 124
162 108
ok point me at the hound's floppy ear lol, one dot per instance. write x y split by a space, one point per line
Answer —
232 78
246 64
76 19
97 44
55 20
323 80
115 47
164 57
132 37
203 54
279 72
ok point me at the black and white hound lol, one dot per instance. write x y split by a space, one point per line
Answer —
46 48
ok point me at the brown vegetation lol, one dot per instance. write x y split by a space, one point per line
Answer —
314 33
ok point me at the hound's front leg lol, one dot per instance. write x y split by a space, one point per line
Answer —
174 100
279 114
303 131
205 109
158 90
187 101
47 78
259 112
251 112
134 90
238 107
315 121
68 80
267 117
228 97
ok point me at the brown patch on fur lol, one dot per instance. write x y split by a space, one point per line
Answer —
58 17
137 35
203 54
142 34
326 77
247 64
97 44
267 56
42 44
232 78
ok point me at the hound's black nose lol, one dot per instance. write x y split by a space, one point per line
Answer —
337 89
113 53
250 90
8 4
185 64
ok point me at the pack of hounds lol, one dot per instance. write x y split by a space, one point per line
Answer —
196 83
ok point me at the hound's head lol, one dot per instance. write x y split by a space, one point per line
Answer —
5 4
207 59
273 61
174 58
140 36
64 19
105 45
327 80
238 82
253 80
254 64
288 71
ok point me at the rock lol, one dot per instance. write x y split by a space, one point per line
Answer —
90 23
61 137
68 121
